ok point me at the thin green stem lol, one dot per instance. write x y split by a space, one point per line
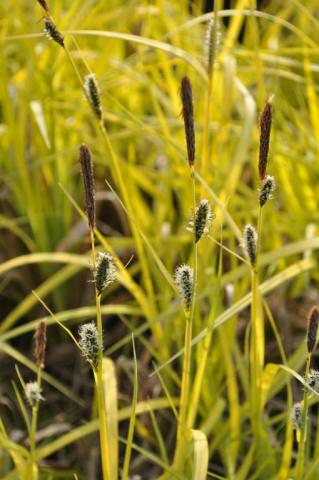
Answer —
255 363
76 71
259 228
104 444
257 341
200 371
98 377
33 472
303 432
125 195
130 435
208 93
181 440
288 445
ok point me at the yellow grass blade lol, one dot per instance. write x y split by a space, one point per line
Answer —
131 427
200 455
267 286
111 394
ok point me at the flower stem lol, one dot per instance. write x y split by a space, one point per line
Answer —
33 468
257 341
98 377
182 429
301 447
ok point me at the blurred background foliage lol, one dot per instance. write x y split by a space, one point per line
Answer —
139 51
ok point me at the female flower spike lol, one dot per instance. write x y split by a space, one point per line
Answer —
33 393
184 279
203 220
267 187
105 271
250 243
52 32
89 342
93 94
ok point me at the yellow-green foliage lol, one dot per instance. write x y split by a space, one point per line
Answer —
237 414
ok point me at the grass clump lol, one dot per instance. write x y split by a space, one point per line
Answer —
202 391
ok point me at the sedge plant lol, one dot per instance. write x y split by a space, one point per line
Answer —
33 395
91 90
252 245
294 27
91 335
186 280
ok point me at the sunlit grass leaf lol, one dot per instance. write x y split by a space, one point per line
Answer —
129 443
37 110
111 399
200 455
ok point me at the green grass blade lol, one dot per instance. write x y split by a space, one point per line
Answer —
130 434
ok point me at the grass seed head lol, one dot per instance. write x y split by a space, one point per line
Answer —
265 129
89 342
296 416
184 279
313 321
88 180
188 116
105 271
203 219
40 341
250 243
267 187
33 393
313 380
44 5
52 32
212 43
93 94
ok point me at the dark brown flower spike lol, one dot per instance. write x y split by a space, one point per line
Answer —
88 180
265 129
313 321
188 115
44 5
40 341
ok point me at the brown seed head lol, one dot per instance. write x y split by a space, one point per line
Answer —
265 128
88 180
188 115
44 5
40 341
313 322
